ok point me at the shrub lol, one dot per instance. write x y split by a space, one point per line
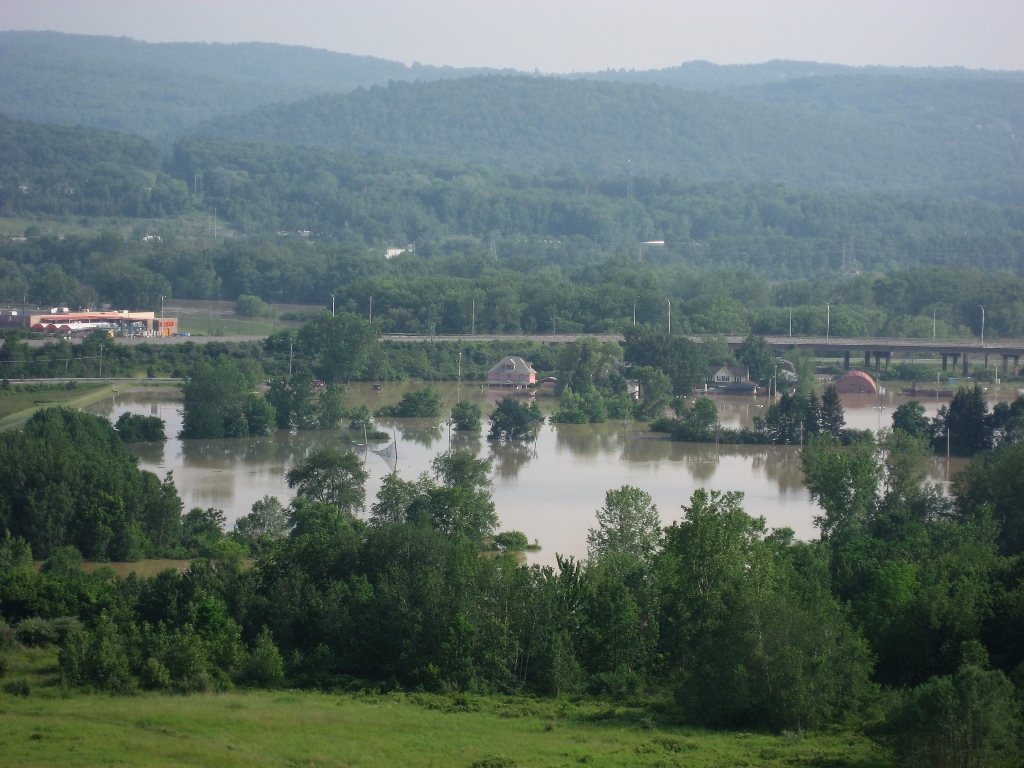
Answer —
38 633
18 688
253 306
265 667
154 676
511 541
8 637
422 403
135 428
466 416
964 720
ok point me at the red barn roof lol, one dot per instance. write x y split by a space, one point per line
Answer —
857 382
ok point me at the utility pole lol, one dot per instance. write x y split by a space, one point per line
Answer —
332 305
472 318
982 326
101 361
371 310
670 317
162 307
790 319
289 361
828 320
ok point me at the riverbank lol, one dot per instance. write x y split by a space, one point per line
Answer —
18 407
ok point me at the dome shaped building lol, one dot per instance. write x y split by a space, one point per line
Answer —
856 382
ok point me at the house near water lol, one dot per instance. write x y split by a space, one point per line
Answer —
512 372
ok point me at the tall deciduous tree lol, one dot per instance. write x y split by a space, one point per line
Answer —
758 357
339 346
627 524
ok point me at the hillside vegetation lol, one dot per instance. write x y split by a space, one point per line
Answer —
156 89
533 124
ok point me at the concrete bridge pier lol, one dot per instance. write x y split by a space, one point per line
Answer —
965 367
956 359
879 357
1006 364
846 361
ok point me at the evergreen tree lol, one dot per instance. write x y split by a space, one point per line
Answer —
812 421
966 426
833 418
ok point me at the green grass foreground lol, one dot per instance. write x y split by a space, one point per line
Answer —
261 728
54 726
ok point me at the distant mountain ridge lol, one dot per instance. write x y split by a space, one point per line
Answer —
155 89
915 132
909 142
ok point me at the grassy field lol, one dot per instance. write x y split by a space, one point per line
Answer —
50 726
19 403
231 326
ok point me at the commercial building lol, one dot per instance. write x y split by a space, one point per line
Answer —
60 321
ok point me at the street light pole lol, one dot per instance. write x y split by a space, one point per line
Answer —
162 307
982 325
791 320
828 320
670 317
933 319
332 305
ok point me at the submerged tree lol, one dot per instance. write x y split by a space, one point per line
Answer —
334 477
512 419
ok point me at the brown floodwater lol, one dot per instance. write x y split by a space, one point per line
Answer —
549 488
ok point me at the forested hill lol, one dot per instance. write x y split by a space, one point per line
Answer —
155 89
706 76
533 124
260 188
53 169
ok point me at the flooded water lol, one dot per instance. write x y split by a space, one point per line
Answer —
549 488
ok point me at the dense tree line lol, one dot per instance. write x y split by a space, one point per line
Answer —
66 480
462 286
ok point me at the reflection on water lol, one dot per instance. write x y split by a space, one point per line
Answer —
548 488
510 457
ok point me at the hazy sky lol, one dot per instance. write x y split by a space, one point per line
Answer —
561 36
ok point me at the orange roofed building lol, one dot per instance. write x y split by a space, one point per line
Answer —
61 321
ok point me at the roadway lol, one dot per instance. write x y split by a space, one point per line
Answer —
880 348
